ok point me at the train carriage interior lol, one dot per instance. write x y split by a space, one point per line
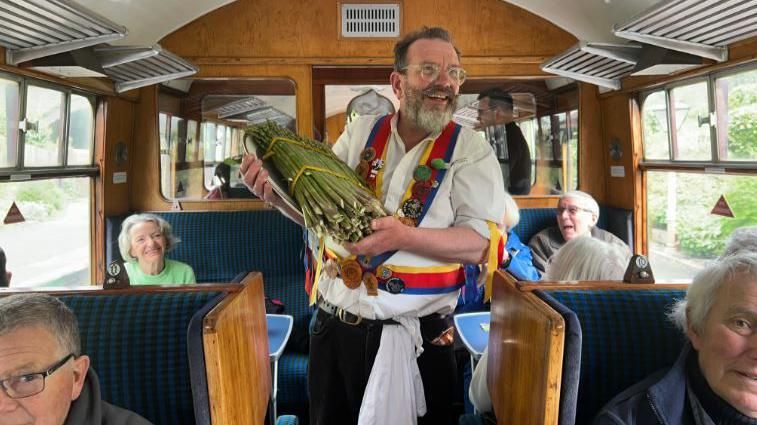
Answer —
110 108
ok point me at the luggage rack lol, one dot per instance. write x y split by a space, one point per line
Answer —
34 29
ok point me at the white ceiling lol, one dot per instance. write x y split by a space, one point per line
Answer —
148 21
587 20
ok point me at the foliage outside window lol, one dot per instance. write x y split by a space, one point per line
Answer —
710 124
202 132
52 135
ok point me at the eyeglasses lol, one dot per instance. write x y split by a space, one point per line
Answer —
32 383
572 210
431 71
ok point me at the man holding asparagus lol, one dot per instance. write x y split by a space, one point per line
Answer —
387 300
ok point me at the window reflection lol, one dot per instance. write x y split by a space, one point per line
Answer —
202 131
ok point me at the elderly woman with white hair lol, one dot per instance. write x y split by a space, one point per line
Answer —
588 259
741 239
143 243
577 215
714 380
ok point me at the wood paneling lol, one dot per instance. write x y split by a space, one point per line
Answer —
289 29
119 128
616 125
526 342
592 172
235 337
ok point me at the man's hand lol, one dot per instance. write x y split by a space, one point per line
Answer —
255 177
389 234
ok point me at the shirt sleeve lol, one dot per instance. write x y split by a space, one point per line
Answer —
478 192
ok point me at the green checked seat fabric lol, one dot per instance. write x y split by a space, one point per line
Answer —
138 346
624 337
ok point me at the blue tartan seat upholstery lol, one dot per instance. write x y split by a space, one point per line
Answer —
219 245
287 420
624 337
138 346
617 221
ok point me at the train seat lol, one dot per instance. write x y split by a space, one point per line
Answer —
586 341
219 245
624 336
617 221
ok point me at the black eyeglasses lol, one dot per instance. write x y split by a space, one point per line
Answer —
32 383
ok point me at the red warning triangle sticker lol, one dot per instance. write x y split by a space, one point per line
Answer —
722 208
14 215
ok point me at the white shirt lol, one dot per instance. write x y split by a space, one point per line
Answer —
471 194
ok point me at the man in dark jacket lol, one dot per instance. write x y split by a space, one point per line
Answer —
495 113
44 379
714 380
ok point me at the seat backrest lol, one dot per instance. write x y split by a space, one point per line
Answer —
625 336
138 344
221 245
617 221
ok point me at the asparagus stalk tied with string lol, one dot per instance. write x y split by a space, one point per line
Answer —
332 197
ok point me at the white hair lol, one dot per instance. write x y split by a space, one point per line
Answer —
584 200
700 296
587 258
512 213
124 238
741 239
42 310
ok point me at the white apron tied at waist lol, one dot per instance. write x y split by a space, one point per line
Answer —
394 394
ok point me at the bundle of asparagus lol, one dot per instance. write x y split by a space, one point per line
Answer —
332 197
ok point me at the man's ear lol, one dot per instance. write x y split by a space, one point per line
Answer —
694 337
81 366
395 79
594 219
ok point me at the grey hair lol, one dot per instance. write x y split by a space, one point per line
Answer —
29 310
584 199
741 239
124 238
700 296
512 213
425 33
587 258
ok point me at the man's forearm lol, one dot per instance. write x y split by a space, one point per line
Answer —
453 244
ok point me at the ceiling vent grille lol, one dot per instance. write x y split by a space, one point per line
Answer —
31 29
699 27
364 20
595 63
133 67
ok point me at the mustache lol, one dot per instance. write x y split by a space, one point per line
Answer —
436 90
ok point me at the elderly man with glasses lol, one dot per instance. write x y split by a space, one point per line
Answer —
577 215
381 352
44 379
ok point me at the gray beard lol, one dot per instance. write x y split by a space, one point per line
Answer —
429 120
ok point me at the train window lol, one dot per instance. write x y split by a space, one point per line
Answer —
9 108
736 97
202 128
46 169
45 109
81 127
681 230
699 144
52 247
691 116
655 117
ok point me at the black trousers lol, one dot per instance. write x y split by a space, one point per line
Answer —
341 358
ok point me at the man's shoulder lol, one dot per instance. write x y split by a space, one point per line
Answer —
114 415
630 406
551 233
